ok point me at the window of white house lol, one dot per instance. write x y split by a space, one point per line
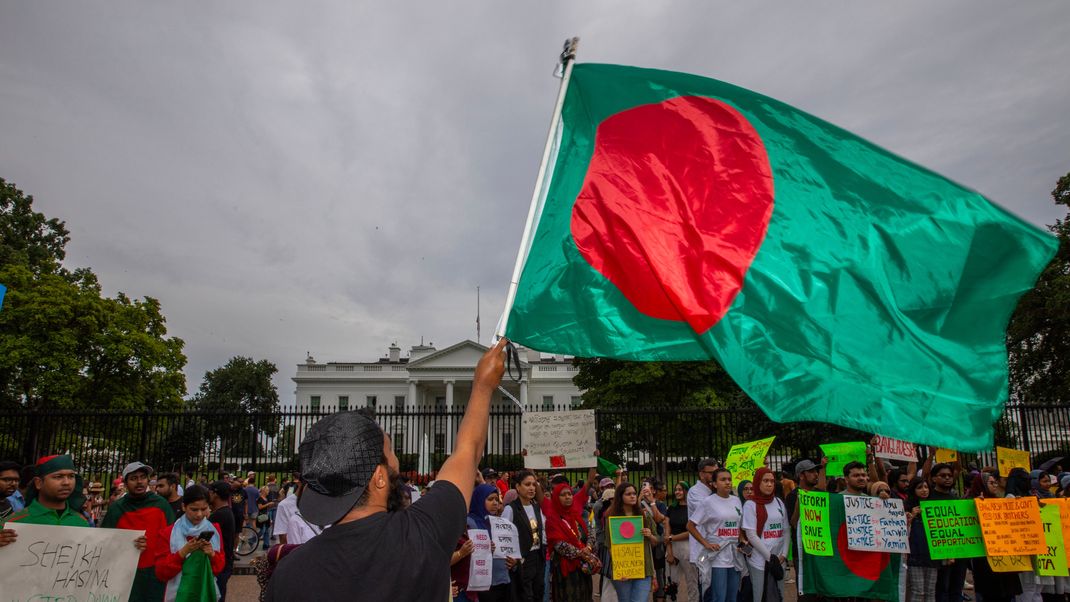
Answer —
314 401
343 403
371 401
547 402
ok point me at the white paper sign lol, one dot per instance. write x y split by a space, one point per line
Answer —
875 525
71 564
505 538
559 439
894 449
481 563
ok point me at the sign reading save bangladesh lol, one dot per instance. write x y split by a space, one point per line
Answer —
952 529
1011 526
626 547
875 525
841 454
745 458
814 522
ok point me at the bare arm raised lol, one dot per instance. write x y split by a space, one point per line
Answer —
460 467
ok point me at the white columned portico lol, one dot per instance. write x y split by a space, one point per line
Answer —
410 401
449 417
524 394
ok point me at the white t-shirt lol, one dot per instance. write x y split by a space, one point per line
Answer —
288 522
530 510
775 534
695 495
717 519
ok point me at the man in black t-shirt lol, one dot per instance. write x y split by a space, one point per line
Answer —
219 500
238 501
376 548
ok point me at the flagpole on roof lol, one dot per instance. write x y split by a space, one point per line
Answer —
566 61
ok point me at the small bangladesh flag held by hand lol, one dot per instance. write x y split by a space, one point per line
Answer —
849 573
683 218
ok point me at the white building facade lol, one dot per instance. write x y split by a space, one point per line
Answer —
434 385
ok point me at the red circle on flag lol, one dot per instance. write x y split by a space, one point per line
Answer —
627 530
675 204
866 565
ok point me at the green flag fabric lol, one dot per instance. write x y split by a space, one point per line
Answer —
684 218
849 573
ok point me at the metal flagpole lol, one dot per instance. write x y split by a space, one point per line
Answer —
568 58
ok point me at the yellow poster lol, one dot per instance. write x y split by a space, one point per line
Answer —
945 456
1011 527
1009 459
628 561
745 458
1010 564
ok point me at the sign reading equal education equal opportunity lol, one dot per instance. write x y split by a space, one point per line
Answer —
559 439
952 529
875 525
72 564
814 523
1011 526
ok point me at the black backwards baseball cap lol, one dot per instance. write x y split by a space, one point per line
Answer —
339 455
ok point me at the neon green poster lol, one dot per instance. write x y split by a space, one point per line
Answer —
952 529
841 454
814 522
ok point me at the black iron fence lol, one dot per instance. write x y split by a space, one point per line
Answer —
662 441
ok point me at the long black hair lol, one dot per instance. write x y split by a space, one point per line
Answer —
617 507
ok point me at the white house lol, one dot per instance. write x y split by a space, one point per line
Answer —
422 397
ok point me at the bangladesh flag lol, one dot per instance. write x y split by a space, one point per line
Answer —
849 573
683 218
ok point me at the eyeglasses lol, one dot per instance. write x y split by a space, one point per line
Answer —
9 479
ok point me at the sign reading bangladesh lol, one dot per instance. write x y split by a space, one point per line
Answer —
559 439
1053 562
894 449
814 522
745 458
952 529
841 454
875 525
70 564
626 547
1011 526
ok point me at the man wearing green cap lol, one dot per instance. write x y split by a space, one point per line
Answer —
143 510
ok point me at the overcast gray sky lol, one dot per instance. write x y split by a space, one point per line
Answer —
334 176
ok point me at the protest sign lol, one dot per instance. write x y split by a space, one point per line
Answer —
1009 459
1011 526
841 454
72 564
952 529
745 458
1010 564
875 525
814 523
481 562
504 535
626 547
559 439
945 456
1053 562
894 449
1064 519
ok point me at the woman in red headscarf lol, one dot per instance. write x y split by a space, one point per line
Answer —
571 560
765 522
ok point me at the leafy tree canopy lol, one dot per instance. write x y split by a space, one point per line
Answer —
1038 337
65 345
611 383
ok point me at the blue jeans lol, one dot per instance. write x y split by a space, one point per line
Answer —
724 585
632 590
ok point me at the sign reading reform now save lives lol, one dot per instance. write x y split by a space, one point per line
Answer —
814 523
952 529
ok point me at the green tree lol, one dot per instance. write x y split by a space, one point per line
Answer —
244 397
1038 337
65 345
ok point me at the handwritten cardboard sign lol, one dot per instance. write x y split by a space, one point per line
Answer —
842 454
505 538
68 563
559 439
945 456
481 562
1010 564
894 449
1053 562
1064 519
1009 459
626 547
745 458
814 528
1011 526
952 529
875 525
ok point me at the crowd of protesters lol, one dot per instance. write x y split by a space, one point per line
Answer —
349 526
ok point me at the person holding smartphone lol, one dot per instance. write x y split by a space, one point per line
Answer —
189 553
